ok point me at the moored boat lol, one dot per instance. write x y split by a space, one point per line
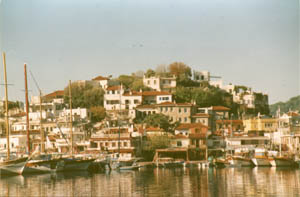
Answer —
73 164
242 161
222 163
285 162
13 166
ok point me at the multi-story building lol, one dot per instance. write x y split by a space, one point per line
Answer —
181 112
159 83
103 81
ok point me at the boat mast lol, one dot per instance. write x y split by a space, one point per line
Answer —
41 126
27 110
6 108
71 118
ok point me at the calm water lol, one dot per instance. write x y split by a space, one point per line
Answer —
159 182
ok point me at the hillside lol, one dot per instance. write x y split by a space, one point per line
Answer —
292 104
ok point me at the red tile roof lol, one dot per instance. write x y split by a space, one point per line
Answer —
99 78
155 93
55 94
220 108
133 93
114 88
157 129
145 106
184 126
201 115
180 136
197 135
175 104
293 114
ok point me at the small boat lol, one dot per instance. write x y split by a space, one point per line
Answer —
285 162
222 163
134 166
13 166
242 161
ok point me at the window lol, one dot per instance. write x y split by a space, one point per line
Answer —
166 108
171 108
154 82
106 143
179 143
179 110
125 144
179 119
185 119
185 110
136 101
113 144
148 82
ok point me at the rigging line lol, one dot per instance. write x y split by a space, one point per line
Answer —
36 83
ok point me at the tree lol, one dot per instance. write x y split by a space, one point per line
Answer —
126 80
138 85
161 121
150 73
180 70
84 96
98 113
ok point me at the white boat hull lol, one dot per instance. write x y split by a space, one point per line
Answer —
13 167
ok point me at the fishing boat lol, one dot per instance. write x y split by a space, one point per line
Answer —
10 165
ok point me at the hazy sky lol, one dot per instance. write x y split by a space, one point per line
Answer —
247 42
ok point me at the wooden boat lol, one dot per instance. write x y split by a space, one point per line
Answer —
261 161
242 161
41 164
285 162
73 164
13 166
10 166
222 163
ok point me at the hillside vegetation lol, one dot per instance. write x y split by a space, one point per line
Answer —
292 104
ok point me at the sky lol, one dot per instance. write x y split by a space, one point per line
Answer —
250 42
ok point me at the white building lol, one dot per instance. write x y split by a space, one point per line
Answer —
103 81
160 83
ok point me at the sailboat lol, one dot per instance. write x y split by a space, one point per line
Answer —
10 166
71 163
38 163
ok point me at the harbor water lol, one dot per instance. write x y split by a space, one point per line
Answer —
264 181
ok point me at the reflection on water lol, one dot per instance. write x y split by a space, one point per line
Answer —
158 182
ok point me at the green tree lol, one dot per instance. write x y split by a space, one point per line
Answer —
85 96
98 113
180 70
161 121
150 73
